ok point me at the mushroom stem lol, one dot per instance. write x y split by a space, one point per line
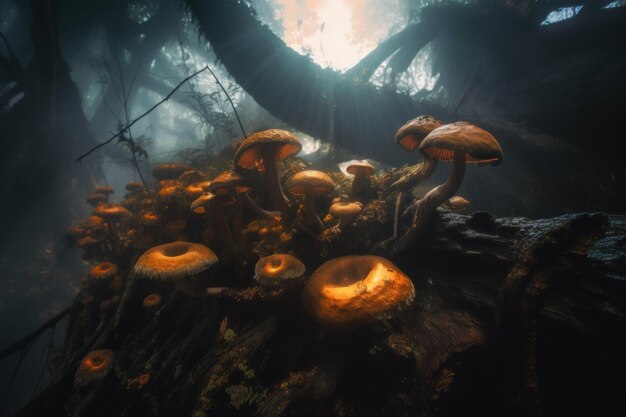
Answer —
237 221
221 224
434 198
358 183
254 207
275 191
309 211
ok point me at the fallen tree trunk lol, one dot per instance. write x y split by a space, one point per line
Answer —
506 310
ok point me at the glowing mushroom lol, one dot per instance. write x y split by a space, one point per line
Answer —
461 143
410 137
361 170
93 367
352 290
177 262
275 270
310 184
346 212
103 270
215 213
262 151
168 171
456 204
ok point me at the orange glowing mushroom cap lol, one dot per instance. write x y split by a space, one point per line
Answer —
97 199
360 168
168 171
271 271
480 146
104 189
316 181
134 186
152 300
284 144
174 261
103 270
413 132
93 367
352 290
112 212
226 180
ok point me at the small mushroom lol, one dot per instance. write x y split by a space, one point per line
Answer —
456 204
409 137
345 211
262 151
215 213
275 270
310 184
93 367
177 262
168 171
361 170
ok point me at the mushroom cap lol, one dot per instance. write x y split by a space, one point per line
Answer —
413 132
149 218
203 200
353 290
168 171
479 145
191 175
103 270
112 212
134 186
457 204
96 199
360 167
174 261
227 179
345 209
284 143
271 271
152 300
104 189
317 181
94 367
194 190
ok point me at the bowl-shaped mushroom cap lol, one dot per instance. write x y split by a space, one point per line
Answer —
353 290
134 186
96 199
174 261
168 171
316 181
203 200
457 204
479 145
345 209
227 179
103 270
271 271
94 367
360 168
413 132
104 189
111 213
283 143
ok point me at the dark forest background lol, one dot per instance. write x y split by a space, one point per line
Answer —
73 71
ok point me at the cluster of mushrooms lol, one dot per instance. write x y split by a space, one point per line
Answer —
193 222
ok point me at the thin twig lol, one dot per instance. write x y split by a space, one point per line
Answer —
26 340
230 101
150 110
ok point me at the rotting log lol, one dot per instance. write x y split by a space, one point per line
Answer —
505 310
